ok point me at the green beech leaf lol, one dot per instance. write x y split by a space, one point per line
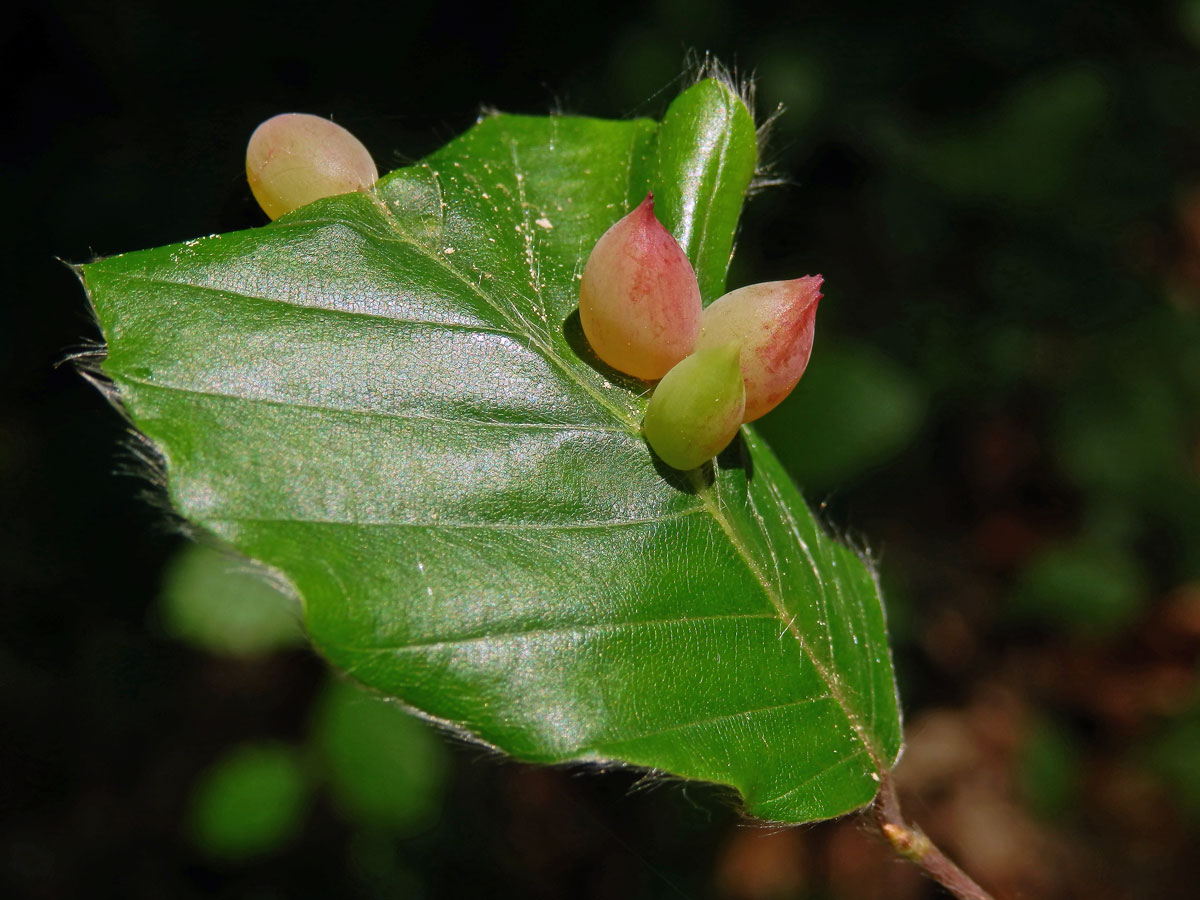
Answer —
707 153
386 398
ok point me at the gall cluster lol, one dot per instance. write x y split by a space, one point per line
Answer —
639 301
733 362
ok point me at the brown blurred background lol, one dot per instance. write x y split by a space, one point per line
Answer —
1003 404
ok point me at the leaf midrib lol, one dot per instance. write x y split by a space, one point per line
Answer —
831 683
703 490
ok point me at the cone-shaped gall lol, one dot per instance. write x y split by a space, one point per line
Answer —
639 302
697 408
294 158
774 323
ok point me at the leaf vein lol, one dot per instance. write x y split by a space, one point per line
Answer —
599 524
807 781
322 310
375 414
742 713
580 628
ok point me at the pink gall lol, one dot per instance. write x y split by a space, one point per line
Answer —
775 323
639 302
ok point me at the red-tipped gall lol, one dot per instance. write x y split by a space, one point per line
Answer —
774 322
639 302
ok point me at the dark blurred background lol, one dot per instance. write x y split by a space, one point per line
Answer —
1003 404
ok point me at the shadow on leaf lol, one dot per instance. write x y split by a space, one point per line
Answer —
578 342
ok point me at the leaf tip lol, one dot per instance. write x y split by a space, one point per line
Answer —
738 85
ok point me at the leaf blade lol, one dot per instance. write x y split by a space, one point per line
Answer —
381 398
707 153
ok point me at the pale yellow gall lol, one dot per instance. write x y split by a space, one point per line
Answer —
697 408
294 158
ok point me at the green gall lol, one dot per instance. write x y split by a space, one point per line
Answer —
775 323
294 158
639 302
697 408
